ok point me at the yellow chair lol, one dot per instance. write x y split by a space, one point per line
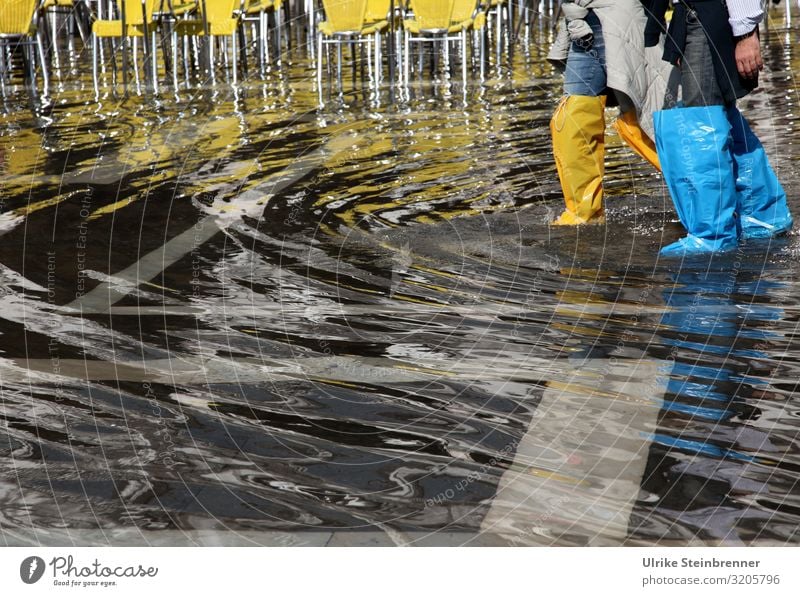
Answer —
257 11
377 11
78 14
345 22
445 21
135 21
178 8
214 18
494 9
18 26
169 13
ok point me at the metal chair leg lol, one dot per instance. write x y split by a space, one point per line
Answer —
153 62
262 40
339 66
406 59
210 42
235 56
45 76
464 59
378 61
136 65
278 35
319 68
174 60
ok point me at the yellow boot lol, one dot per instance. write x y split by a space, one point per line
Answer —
578 131
627 126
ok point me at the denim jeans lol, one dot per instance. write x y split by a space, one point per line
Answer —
585 73
698 78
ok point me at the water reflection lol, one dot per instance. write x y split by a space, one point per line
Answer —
712 455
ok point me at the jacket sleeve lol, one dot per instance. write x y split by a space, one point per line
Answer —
656 20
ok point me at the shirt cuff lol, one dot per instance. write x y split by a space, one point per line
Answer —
745 24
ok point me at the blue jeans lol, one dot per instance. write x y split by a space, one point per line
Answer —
585 73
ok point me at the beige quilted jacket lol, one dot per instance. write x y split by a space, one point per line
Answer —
638 75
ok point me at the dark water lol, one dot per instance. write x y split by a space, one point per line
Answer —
230 312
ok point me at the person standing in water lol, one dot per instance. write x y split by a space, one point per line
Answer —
716 169
601 48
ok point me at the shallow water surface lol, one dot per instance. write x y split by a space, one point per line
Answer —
228 316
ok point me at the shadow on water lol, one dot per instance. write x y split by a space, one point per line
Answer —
229 317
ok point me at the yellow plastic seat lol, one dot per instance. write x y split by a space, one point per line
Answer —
179 9
377 11
255 6
17 18
63 3
135 19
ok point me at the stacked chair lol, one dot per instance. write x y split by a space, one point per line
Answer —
19 30
442 21
346 23
498 13
213 20
134 21
170 12
206 35
257 12
71 14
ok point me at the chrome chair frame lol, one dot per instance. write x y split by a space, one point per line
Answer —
26 42
338 39
441 35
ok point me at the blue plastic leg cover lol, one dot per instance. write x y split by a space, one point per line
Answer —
762 205
694 147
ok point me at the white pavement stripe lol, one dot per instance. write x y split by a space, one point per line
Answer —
577 472
31 537
193 370
105 295
334 309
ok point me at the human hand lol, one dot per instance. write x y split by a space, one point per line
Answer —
748 57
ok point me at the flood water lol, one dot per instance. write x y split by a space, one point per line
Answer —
230 317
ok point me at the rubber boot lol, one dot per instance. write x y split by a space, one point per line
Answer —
578 131
627 126
763 212
696 155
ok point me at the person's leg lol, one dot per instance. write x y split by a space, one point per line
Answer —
578 129
760 199
762 208
694 148
698 79
696 154
627 125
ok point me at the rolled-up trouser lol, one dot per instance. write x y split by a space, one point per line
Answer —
585 73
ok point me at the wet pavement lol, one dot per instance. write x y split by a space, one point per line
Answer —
230 317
